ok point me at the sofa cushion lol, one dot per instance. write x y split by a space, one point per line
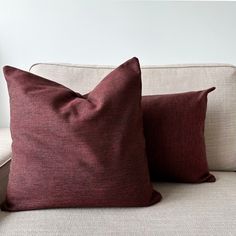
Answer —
73 150
174 133
186 210
220 130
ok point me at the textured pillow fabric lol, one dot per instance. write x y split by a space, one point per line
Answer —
174 132
73 150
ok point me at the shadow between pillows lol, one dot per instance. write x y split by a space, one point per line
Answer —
71 150
174 132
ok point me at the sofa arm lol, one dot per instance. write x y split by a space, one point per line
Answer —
5 157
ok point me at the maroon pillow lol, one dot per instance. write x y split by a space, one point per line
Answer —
73 150
174 132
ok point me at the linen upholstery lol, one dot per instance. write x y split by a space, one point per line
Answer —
73 150
185 210
5 145
174 133
5 156
220 130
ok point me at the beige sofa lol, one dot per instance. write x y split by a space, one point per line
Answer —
186 209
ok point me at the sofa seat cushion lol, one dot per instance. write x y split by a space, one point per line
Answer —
186 209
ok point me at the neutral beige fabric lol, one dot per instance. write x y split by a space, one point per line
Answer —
220 129
207 209
5 155
5 145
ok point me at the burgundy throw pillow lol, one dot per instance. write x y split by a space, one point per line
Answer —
174 132
73 150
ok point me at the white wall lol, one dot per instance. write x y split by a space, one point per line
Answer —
109 33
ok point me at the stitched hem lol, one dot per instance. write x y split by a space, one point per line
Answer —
5 162
180 66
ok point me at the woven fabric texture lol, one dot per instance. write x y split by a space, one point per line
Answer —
220 129
73 150
5 156
5 145
174 132
185 210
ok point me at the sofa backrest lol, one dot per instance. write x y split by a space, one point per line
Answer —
220 130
